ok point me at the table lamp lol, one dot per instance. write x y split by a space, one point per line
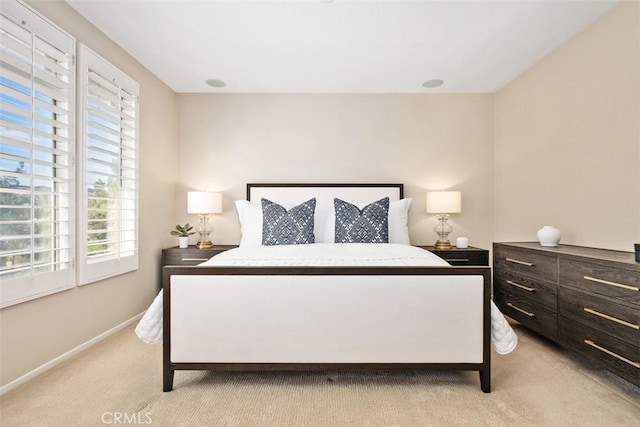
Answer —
443 203
204 203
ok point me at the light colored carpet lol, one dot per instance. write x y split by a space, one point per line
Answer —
119 382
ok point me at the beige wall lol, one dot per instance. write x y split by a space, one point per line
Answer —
35 332
568 140
423 141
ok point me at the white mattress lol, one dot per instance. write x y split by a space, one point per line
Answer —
328 254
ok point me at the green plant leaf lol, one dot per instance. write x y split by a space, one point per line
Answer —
182 230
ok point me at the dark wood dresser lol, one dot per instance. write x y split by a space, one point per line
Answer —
585 299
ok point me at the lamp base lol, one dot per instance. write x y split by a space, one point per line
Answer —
442 245
204 229
442 230
204 245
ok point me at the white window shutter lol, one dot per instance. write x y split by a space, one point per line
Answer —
37 145
108 164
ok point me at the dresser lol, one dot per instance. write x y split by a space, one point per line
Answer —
461 256
585 299
191 255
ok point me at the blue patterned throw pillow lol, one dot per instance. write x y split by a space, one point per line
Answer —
369 225
292 227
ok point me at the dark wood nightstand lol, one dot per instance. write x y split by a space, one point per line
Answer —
469 256
191 255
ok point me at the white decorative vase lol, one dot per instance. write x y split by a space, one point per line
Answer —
183 242
549 236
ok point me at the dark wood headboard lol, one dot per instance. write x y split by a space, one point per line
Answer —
400 187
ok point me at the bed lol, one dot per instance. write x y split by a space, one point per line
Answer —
327 306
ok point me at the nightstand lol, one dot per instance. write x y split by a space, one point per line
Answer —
468 256
191 255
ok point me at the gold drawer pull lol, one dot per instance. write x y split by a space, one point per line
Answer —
528 264
611 353
518 285
521 310
606 282
195 259
457 259
613 319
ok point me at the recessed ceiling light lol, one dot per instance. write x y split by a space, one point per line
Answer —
432 83
215 83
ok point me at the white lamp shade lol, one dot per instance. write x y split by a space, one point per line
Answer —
444 202
204 202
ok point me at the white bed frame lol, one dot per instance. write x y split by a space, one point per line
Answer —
310 318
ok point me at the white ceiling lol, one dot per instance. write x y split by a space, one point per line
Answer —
323 46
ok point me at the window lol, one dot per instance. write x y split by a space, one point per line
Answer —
108 164
38 245
37 143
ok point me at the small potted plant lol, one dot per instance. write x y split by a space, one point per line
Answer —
183 232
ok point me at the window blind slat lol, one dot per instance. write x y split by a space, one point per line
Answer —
99 151
107 117
11 43
48 150
51 91
19 81
12 127
57 70
59 139
92 137
46 78
12 29
96 80
15 64
50 50
93 125
95 104
23 111
53 108
126 127
102 95
14 95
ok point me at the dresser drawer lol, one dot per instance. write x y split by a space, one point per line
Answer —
191 255
184 258
618 356
528 313
458 256
526 263
519 287
614 319
469 258
618 283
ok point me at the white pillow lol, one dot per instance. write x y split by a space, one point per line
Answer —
398 221
250 216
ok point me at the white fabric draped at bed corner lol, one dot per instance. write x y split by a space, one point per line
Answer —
149 329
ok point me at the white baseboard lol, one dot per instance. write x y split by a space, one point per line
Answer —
50 364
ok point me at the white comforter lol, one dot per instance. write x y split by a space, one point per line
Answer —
503 338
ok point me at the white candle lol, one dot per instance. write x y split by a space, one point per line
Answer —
462 242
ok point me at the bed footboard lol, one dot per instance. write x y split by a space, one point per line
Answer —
326 318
